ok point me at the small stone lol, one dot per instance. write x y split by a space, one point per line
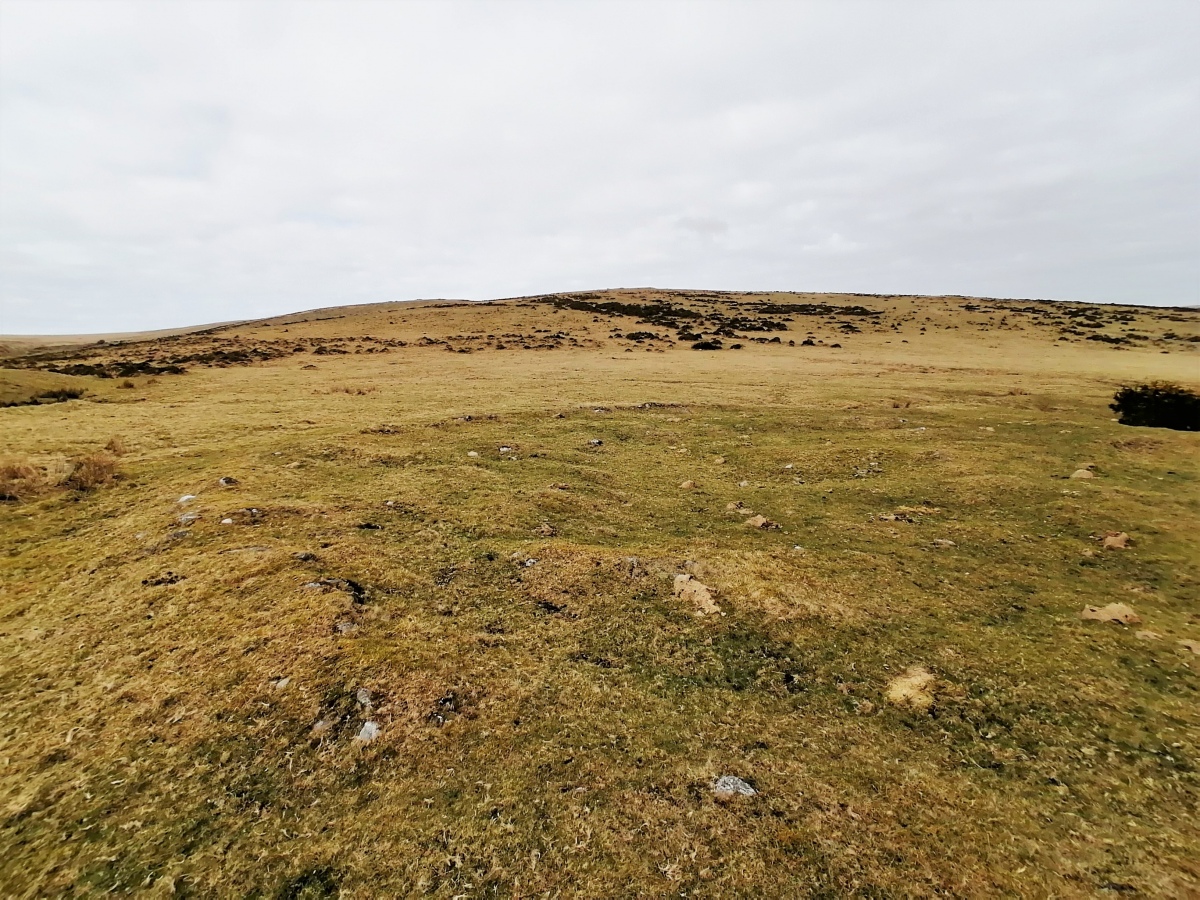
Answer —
345 628
368 732
719 460
1115 540
188 518
729 786
687 485
282 683
743 484
473 454
913 689
227 521
321 726
1114 612
1083 473
363 696
227 481
506 449
944 542
595 442
186 498
763 523
304 556
690 590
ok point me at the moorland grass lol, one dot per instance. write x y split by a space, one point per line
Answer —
182 699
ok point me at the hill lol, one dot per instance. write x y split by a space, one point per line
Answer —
530 597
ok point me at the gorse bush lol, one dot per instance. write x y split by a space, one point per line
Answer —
1158 404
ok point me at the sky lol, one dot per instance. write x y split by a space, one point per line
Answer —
165 164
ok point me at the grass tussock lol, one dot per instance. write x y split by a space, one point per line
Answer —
92 470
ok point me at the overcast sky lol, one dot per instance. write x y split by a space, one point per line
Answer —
171 163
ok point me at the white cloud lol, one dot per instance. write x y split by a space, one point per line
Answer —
170 163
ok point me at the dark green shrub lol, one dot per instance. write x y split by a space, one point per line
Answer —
1158 404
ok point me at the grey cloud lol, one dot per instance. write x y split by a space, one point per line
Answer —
170 163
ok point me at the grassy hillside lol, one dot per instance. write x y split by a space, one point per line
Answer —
417 633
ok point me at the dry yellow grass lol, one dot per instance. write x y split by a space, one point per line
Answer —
476 551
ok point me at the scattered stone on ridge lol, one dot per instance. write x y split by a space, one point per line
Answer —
1114 612
913 689
368 732
687 485
762 522
729 786
363 696
692 591
1115 540
227 481
944 542
1083 473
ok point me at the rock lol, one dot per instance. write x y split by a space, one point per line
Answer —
304 556
595 442
363 697
944 542
690 590
186 498
282 683
687 485
546 530
368 732
743 484
1194 646
188 518
227 481
530 562
913 689
1115 540
1147 635
730 786
321 726
762 522
1114 612
345 628
227 521
506 449
719 460
1083 473
473 454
